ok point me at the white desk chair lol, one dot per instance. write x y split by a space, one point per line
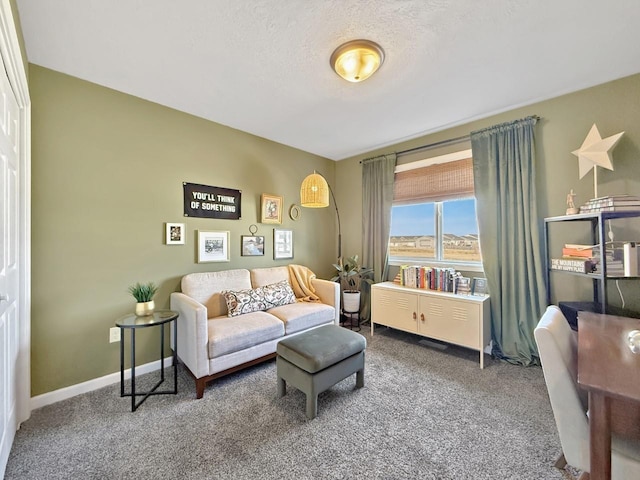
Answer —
558 348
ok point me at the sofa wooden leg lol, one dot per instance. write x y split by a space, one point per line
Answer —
200 384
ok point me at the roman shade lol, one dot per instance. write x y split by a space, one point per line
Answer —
434 183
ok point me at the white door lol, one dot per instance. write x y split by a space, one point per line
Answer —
9 269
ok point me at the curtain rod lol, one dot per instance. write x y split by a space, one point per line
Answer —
425 147
435 144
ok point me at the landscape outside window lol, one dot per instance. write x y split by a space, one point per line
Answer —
413 232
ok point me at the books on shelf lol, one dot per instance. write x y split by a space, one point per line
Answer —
612 203
586 259
613 208
586 252
573 265
444 279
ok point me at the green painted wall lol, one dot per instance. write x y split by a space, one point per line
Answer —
566 120
107 174
108 171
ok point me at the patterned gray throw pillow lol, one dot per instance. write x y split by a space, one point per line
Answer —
244 301
257 299
278 294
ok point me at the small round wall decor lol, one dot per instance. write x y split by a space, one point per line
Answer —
294 212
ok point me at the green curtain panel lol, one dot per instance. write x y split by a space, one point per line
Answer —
512 248
377 199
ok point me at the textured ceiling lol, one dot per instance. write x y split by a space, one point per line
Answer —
262 66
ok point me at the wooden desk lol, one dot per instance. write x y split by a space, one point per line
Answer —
610 372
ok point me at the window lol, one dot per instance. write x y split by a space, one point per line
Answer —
433 219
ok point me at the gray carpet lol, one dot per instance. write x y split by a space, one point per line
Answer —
424 413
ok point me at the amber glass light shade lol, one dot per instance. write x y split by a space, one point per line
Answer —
357 60
314 192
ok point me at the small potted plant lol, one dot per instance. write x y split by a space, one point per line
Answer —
351 274
143 293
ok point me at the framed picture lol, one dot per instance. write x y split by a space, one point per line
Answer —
479 286
175 233
252 246
271 208
282 244
213 247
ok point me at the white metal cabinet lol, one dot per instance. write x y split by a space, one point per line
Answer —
459 319
395 309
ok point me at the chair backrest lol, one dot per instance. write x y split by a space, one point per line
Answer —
558 348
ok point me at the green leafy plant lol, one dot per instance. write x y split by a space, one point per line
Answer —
351 274
143 292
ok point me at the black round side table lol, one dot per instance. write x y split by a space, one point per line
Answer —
132 322
351 319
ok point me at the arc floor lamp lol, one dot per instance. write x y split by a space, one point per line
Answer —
314 193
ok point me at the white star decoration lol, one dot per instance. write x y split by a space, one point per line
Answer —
596 151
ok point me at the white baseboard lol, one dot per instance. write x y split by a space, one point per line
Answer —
84 387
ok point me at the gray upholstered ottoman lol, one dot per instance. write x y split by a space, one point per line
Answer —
316 360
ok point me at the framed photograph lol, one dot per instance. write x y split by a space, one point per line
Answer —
213 247
252 246
175 233
271 208
479 286
282 244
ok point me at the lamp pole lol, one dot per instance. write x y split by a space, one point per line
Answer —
338 215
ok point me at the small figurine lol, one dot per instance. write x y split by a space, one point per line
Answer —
571 205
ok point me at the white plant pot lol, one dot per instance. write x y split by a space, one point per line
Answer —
351 301
145 308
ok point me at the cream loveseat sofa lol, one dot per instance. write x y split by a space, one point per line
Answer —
212 343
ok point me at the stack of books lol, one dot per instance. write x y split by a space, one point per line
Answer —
613 203
615 264
586 259
576 258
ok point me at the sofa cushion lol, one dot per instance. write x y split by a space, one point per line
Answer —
261 298
228 335
302 315
205 288
267 276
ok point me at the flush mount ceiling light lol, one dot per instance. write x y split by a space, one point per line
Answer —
357 60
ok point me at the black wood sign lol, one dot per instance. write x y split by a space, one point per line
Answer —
211 202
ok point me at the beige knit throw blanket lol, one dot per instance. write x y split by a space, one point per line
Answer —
300 278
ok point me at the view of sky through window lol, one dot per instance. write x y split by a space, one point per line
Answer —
410 220
413 231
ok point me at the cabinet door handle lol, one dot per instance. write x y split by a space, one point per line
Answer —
422 317
414 315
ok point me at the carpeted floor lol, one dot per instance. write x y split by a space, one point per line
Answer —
424 413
